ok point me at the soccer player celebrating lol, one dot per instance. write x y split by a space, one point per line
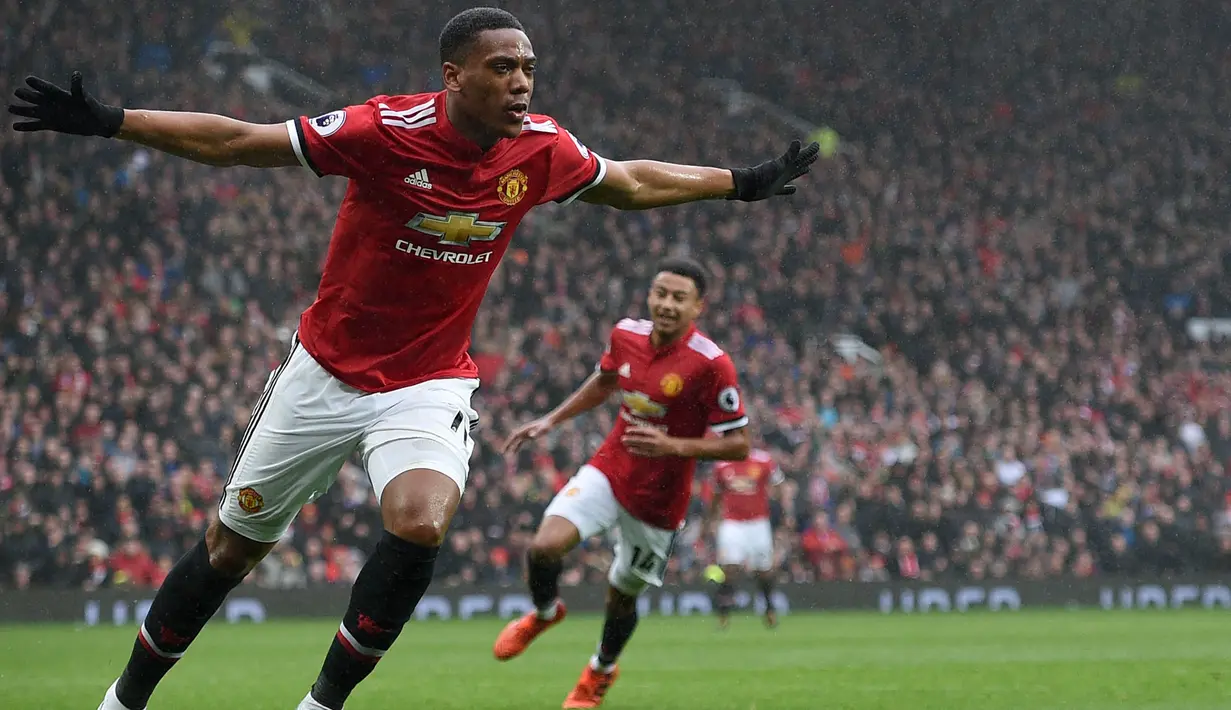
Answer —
676 384
379 364
745 538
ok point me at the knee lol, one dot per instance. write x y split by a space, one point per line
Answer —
620 603
231 554
548 548
555 538
423 530
417 506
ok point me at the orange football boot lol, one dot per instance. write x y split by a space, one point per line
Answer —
519 633
591 688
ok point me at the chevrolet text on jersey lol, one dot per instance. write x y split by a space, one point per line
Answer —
447 257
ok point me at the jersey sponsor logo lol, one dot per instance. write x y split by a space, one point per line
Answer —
672 384
642 406
745 484
456 229
512 187
728 400
249 500
419 180
634 420
446 257
328 124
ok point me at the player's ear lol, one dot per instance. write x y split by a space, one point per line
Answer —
452 76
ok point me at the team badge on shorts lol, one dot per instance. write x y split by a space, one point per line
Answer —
249 500
512 187
572 492
672 384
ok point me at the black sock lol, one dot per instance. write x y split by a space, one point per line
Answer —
544 581
724 598
389 586
188 598
617 630
766 585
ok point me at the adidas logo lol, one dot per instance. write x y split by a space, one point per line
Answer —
419 180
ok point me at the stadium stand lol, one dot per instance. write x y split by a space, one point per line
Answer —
1015 237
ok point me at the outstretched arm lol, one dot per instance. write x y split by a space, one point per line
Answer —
644 184
210 139
597 389
202 137
594 391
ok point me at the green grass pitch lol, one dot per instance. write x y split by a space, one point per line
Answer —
1176 660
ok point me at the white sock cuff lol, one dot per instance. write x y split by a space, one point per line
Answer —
550 612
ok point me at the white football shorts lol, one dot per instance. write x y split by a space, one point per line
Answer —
307 423
746 543
641 551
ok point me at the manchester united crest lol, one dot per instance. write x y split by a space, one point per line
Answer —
249 500
512 187
672 384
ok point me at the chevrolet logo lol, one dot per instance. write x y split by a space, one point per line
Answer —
457 229
643 406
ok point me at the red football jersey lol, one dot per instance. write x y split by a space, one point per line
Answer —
682 389
745 485
426 218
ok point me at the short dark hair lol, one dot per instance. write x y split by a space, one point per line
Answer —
688 268
465 27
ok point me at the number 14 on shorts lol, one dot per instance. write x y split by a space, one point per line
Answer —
644 560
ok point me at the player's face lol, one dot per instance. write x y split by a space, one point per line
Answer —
494 84
674 303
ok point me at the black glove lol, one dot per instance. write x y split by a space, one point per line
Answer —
54 109
773 177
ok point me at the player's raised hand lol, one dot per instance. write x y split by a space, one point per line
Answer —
527 432
648 442
773 177
73 111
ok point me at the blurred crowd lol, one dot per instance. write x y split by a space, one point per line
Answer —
1027 206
